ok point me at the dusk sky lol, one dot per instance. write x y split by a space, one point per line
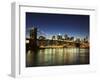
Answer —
54 24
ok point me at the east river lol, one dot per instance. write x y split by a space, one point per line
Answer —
57 56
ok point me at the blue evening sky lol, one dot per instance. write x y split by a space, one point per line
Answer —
54 24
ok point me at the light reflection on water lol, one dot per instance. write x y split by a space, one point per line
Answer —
58 56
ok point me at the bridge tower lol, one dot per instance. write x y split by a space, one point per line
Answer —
33 39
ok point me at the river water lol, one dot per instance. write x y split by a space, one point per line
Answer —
57 56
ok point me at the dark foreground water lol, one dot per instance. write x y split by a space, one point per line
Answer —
59 56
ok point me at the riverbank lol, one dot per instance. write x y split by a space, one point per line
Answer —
43 47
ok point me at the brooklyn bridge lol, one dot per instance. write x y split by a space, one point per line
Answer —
35 43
